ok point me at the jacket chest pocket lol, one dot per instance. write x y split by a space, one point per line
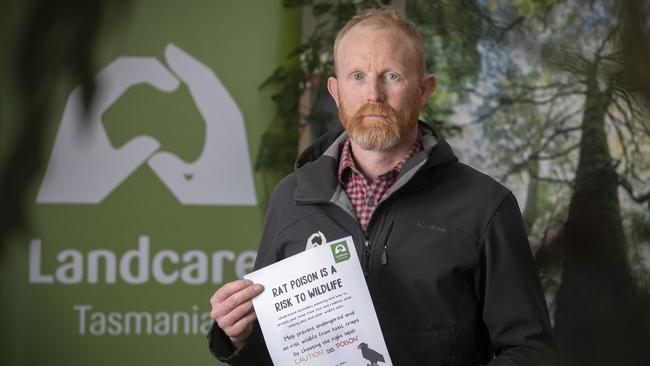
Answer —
427 270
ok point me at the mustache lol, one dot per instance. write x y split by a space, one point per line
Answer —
381 109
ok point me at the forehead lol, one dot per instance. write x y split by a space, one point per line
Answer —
373 44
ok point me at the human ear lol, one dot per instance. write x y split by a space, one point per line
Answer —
427 87
332 87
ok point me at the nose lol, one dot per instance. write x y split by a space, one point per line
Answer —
375 91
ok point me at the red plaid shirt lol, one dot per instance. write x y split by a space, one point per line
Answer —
364 196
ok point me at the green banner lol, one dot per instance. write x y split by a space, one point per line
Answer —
139 215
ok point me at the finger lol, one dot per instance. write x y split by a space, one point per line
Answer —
230 288
235 315
242 328
223 307
238 298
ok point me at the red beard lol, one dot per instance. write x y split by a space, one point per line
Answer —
379 133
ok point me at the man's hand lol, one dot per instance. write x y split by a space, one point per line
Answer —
232 309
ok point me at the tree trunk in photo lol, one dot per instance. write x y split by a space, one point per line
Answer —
596 302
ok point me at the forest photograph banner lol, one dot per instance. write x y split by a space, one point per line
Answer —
551 98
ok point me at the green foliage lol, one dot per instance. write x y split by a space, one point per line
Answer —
450 31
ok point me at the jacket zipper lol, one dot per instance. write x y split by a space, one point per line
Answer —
367 244
365 263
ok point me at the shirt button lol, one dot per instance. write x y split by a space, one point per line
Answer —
370 202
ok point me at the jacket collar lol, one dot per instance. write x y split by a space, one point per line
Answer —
316 167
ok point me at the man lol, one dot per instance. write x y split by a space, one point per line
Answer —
442 246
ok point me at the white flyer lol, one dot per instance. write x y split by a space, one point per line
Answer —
316 309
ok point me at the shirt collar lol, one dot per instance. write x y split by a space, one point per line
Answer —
347 166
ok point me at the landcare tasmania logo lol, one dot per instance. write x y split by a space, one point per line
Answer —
86 168
340 251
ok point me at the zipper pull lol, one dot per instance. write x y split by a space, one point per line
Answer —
384 257
366 247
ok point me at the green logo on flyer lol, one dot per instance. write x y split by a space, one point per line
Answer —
340 251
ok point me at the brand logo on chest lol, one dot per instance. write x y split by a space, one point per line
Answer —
315 239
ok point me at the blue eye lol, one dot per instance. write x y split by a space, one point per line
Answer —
391 76
357 77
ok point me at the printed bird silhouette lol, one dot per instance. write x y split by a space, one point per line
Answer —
370 354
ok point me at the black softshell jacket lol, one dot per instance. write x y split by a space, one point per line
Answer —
446 258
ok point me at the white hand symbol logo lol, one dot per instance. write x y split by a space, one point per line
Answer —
86 169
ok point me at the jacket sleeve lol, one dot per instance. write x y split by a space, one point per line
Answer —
254 353
514 308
